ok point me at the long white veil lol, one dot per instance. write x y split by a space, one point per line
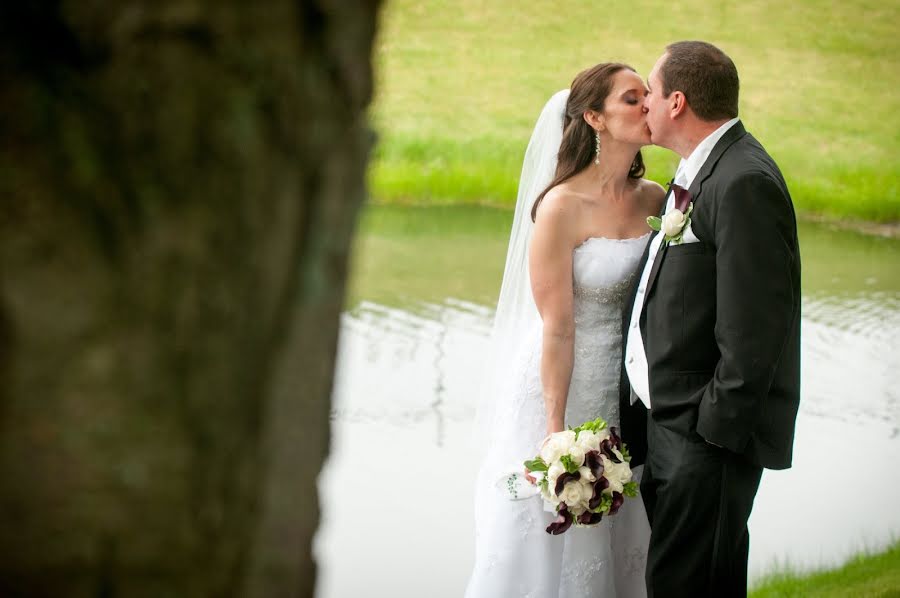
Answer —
507 432
516 312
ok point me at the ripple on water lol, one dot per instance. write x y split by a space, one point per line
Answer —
407 382
402 364
850 356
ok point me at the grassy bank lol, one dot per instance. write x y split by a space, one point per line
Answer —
869 576
461 83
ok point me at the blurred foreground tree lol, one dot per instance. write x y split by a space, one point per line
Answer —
179 182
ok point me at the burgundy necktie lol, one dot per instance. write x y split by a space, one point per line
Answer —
682 197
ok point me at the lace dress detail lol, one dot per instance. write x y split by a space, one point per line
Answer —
515 557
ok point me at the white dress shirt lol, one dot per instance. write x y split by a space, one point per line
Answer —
636 354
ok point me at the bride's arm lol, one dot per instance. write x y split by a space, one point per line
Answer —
550 267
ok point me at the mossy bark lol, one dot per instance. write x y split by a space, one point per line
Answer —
179 183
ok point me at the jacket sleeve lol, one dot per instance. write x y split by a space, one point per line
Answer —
754 305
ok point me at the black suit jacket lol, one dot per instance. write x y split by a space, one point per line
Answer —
721 318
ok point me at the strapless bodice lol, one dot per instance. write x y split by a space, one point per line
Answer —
603 272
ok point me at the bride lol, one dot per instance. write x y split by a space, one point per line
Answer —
578 234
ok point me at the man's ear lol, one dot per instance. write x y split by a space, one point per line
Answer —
677 104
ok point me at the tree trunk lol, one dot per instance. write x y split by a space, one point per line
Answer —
179 182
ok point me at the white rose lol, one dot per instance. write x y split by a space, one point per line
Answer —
566 438
614 486
624 471
554 472
589 441
575 494
673 222
617 474
586 474
601 436
551 452
587 491
557 445
577 454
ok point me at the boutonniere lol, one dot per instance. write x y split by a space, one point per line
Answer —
673 222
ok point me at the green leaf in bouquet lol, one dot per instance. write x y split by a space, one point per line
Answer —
654 222
625 454
591 426
630 489
568 463
605 503
536 465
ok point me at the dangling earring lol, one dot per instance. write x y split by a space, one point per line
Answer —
597 147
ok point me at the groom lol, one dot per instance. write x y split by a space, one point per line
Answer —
711 380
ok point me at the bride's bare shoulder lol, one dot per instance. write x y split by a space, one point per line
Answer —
559 209
652 195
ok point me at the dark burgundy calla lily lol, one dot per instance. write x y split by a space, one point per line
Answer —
614 436
562 479
617 500
599 486
589 518
682 197
606 448
563 521
593 462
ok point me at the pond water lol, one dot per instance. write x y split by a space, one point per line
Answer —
396 491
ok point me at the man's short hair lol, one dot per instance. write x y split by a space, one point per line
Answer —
705 75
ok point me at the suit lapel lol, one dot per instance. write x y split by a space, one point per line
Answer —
660 255
730 136
662 250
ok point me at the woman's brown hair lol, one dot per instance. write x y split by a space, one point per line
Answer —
588 92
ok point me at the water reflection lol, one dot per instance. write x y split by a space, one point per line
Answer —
407 368
849 357
407 384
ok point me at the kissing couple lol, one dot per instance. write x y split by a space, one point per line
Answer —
686 338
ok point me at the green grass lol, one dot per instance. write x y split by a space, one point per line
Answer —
460 84
865 576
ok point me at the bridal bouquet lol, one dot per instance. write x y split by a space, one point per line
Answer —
583 474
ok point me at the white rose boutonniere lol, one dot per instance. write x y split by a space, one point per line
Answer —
672 224
675 221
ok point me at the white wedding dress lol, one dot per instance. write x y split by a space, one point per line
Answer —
515 557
